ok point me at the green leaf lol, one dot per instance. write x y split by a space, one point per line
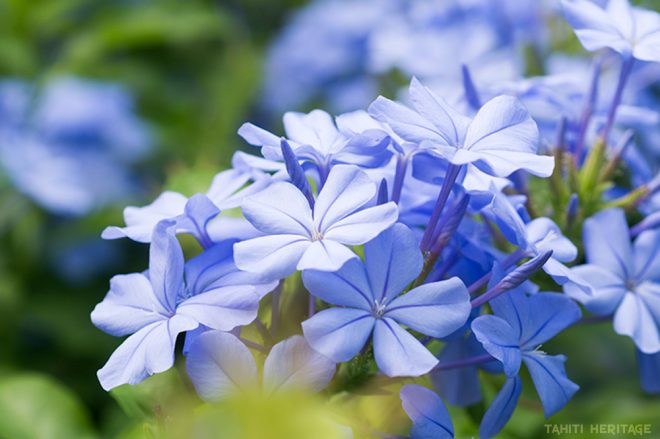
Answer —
35 406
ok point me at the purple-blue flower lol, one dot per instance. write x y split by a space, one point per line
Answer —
298 237
368 302
624 277
513 334
170 298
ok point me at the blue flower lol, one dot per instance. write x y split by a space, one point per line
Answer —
369 303
314 138
513 334
193 215
171 298
628 30
298 237
220 365
70 146
624 278
427 411
501 139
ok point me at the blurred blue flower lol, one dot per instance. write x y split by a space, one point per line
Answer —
219 365
70 145
628 30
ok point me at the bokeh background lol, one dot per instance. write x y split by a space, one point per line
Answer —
175 79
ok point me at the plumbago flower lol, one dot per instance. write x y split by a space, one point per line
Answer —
500 139
427 411
624 278
368 300
192 215
301 237
316 140
633 32
513 334
170 298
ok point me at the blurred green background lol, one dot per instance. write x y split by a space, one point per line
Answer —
195 69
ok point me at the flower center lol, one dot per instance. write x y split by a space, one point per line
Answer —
378 309
317 236
631 285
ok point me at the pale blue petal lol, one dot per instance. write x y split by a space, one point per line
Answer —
292 364
275 256
256 136
325 255
503 131
141 221
405 122
398 353
364 225
166 265
348 286
449 124
550 314
393 260
148 351
436 309
552 384
607 242
338 333
129 306
222 308
607 289
346 190
498 339
430 417
219 365
646 251
279 209
593 26
501 409
634 318
545 235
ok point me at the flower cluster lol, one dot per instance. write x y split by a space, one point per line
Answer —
420 245
70 144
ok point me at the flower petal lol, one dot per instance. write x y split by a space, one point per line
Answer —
501 409
274 256
552 384
219 364
222 308
347 286
498 338
430 417
393 260
292 364
398 353
363 226
148 351
325 255
129 306
436 309
279 209
338 333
